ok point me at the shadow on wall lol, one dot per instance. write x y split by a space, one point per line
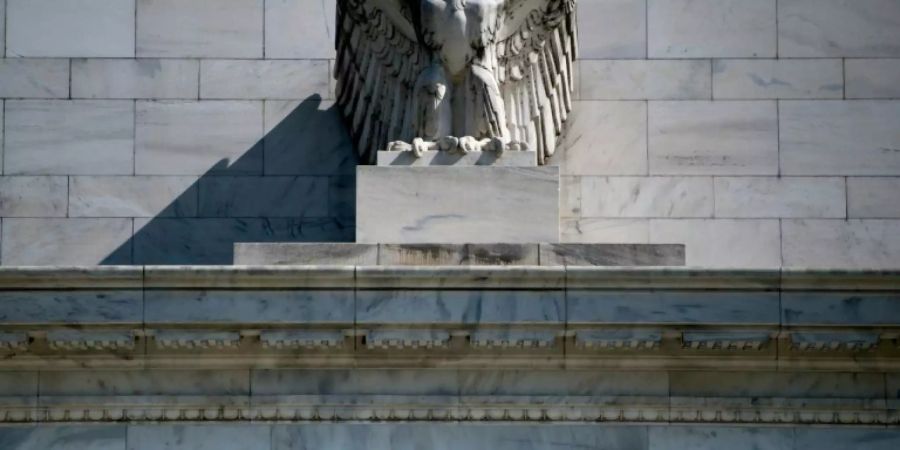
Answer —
306 193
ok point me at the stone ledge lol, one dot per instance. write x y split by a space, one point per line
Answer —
240 277
71 277
509 277
499 254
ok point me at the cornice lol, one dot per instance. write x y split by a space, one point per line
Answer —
421 316
71 277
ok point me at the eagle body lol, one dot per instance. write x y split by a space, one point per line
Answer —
455 75
456 31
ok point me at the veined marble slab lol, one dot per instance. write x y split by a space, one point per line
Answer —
443 436
763 384
845 308
714 438
258 306
353 254
457 204
63 438
459 307
628 307
123 383
70 307
843 438
199 29
446 437
350 382
336 253
439 158
548 383
612 255
299 29
217 437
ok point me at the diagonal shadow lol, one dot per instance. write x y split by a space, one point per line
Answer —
305 192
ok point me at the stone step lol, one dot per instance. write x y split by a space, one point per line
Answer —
354 254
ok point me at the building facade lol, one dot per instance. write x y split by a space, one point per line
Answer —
157 136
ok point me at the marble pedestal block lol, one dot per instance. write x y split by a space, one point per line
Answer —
457 204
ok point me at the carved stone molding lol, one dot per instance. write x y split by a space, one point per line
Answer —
422 409
476 316
435 344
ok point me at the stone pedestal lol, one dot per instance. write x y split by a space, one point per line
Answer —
457 204
452 209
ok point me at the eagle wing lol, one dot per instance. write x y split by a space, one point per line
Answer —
377 62
535 65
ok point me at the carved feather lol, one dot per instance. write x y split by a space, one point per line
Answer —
520 89
375 69
536 71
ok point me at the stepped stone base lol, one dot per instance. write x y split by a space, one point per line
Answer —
353 254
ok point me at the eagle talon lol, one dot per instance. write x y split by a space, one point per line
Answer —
419 147
448 143
496 145
517 146
398 146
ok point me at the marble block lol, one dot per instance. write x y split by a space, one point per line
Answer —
70 307
837 438
80 28
332 253
439 158
612 254
255 79
63 437
135 78
439 436
713 437
590 307
299 29
457 204
421 254
199 29
353 254
495 254
217 306
210 437
459 307
458 254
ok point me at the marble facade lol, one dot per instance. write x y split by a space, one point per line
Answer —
747 145
137 108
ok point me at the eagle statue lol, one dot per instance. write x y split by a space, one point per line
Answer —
455 75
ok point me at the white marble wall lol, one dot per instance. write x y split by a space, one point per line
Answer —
758 132
406 436
164 131
770 136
